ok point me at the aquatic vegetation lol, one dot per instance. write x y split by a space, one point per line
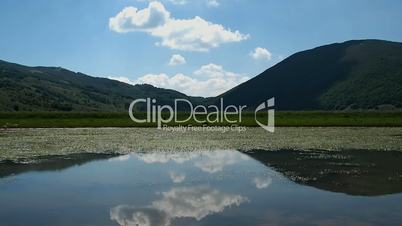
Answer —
23 144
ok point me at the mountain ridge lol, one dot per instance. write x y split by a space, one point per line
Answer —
41 88
356 74
320 78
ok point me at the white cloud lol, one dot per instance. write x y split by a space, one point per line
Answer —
261 54
177 177
196 202
177 59
207 161
212 3
132 19
214 71
120 158
122 79
178 2
216 161
194 34
160 157
211 80
262 182
184 202
126 215
175 2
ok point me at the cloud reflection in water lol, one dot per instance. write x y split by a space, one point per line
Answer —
208 161
184 202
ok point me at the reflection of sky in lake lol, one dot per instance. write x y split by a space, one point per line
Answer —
222 187
180 202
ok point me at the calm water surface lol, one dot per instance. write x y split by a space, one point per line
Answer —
223 187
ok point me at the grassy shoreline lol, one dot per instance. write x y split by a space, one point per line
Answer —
121 119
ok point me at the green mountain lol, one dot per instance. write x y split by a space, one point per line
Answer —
362 74
25 88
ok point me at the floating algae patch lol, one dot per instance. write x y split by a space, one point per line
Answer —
29 143
353 172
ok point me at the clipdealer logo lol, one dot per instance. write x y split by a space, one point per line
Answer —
164 114
269 107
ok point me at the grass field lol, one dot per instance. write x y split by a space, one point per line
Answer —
282 119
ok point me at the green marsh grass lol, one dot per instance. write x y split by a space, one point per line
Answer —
121 119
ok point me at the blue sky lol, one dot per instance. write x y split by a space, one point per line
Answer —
219 48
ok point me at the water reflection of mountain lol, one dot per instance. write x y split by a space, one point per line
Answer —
53 163
357 172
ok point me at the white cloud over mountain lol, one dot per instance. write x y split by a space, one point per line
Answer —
209 80
260 53
194 34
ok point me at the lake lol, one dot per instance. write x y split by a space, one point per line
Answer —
215 187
